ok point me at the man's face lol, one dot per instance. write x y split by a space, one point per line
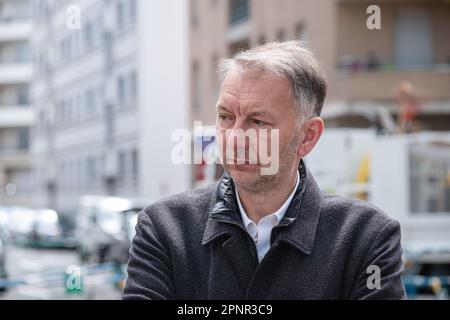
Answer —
249 103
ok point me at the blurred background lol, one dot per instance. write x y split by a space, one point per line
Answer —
92 90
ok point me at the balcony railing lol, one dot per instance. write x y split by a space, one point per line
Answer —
16 116
12 73
15 18
380 84
15 30
19 150
354 64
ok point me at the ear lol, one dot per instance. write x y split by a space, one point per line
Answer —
312 131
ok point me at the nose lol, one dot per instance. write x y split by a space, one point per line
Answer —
236 134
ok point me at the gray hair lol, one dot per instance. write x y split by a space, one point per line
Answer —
293 61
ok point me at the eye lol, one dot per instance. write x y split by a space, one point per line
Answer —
224 117
259 122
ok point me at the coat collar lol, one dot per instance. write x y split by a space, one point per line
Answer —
297 228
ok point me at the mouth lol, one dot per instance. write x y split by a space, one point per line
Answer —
244 166
240 162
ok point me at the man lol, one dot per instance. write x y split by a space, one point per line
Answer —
266 236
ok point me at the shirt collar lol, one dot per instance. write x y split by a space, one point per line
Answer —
279 214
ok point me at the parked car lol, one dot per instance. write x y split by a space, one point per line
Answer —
20 223
105 227
46 230
37 228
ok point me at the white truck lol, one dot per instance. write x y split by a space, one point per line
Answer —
408 177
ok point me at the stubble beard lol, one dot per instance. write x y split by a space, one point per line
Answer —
264 184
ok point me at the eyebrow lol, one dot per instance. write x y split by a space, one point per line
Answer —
221 107
260 113
251 114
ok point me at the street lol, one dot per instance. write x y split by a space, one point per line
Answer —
35 264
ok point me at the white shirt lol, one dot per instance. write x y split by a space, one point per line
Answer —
261 232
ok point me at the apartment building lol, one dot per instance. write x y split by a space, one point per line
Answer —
16 115
364 66
103 95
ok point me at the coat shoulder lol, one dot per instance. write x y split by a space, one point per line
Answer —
353 213
185 206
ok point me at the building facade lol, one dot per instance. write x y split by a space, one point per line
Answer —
16 116
103 99
364 65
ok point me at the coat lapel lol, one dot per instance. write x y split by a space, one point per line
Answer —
297 228
299 225
225 225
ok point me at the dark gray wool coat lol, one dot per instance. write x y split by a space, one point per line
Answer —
194 246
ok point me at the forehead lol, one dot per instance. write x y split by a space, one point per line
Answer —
243 91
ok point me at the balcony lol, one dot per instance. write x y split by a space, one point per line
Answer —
13 30
411 45
16 116
15 73
431 84
15 158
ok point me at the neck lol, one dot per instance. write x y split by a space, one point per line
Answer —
259 205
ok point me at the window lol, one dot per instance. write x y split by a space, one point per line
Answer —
214 75
413 38
122 166
194 13
127 88
78 106
109 117
88 35
24 138
121 90
22 95
69 109
196 86
120 14
71 175
100 97
42 118
89 98
77 43
135 166
63 175
239 11
126 13
61 111
22 52
91 172
79 176
62 50
132 10
69 47
429 178
133 86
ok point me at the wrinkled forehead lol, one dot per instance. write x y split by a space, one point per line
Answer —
243 90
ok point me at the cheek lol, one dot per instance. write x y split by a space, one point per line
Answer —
221 141
289 141
273 140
